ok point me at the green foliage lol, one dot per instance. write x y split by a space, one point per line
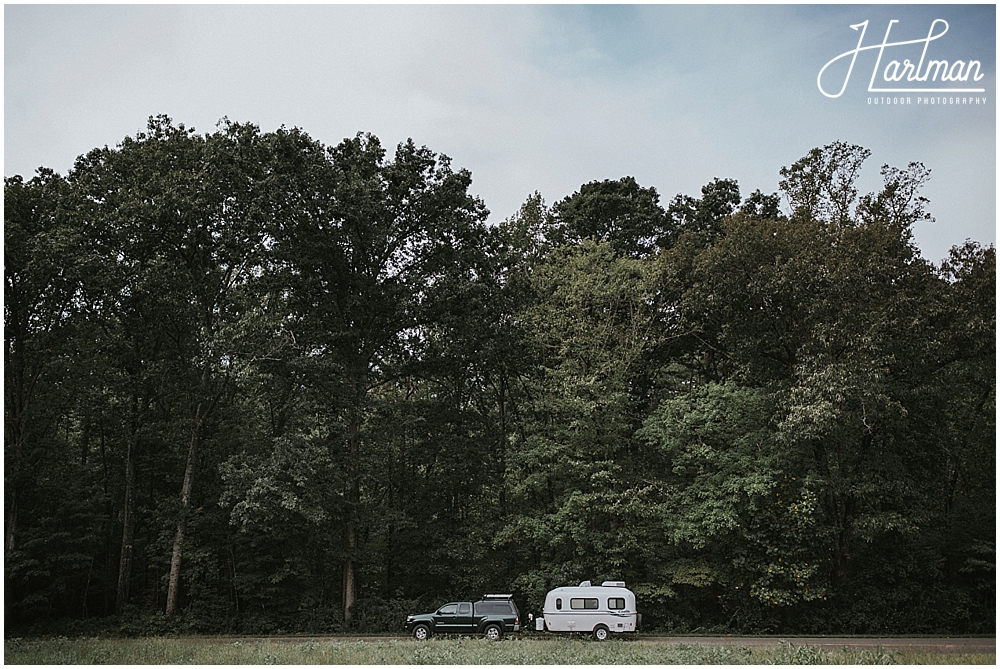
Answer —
731 501
702 218
258 384
620 213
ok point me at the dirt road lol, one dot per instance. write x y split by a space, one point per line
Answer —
935 644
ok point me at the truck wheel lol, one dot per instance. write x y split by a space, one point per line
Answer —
493 632
421 632
600 633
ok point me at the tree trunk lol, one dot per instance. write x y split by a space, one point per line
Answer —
350 583
128 522
11 524
353 498
173 584
201 413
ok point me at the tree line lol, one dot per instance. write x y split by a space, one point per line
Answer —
254 383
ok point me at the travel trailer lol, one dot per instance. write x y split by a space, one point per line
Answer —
608 608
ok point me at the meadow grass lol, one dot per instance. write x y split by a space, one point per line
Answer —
562 651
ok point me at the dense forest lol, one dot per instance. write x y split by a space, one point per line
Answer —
257 384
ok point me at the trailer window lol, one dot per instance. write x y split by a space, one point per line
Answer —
616 603
578 603
558 605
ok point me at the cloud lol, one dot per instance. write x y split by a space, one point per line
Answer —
528 97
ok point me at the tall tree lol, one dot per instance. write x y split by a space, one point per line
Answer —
829 310
51 525
703 217
592 324
177 219
361 278
43 259
621 212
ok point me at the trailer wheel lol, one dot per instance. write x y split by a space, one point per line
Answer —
421 632
493 632
600 633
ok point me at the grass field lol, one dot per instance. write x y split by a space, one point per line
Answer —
443 651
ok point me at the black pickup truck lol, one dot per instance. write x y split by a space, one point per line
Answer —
492 616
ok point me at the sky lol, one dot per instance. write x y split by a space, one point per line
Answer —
534 97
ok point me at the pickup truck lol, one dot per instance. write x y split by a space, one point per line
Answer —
492 616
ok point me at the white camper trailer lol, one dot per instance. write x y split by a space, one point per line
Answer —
589 609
